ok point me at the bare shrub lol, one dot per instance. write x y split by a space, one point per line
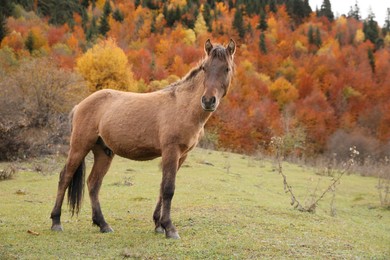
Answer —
7 173
277 145
341 141
35 100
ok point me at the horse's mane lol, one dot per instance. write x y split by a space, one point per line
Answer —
218 52
187 78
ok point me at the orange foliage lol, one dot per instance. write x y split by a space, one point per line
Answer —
322 87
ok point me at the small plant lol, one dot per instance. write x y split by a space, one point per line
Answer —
7 173
384 185
278 146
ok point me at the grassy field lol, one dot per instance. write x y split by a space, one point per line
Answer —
226 206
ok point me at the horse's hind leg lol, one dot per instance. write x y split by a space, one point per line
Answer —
102 161
74 163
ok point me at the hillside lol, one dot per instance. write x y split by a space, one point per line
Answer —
302 74
226 206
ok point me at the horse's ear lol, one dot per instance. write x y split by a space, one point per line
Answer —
231 47
208 47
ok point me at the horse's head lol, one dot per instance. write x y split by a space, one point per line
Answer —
218 71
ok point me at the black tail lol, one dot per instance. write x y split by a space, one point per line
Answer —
76 189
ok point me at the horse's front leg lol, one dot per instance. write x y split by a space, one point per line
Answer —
170 165
157 211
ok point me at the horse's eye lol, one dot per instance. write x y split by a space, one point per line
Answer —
227 69
203 68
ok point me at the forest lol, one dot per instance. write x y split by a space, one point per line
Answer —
319 82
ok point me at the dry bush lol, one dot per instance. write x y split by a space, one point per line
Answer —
340 142
7 173
35 100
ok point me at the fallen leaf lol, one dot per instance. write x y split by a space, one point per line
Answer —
33 232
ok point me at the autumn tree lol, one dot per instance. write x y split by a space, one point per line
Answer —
283 91
106 66
200 25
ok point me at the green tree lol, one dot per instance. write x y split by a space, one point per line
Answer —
326 10
137 3
92 30
104 26
371 59
85 3
60 11
263 25
355 12
318 40
272 6
310 35
238 23
207 17
262 45
370 28
298 9
107 8
3 27
29 43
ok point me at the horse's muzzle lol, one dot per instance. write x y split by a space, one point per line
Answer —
209 104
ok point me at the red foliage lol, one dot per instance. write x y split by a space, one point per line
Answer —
333 83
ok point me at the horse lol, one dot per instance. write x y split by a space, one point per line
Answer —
166 123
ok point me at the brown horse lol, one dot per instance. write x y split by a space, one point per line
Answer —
166 123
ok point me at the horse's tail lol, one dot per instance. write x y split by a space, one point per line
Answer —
76 186
76 189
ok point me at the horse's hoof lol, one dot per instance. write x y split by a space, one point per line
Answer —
172 234
106 229
57 227
159 230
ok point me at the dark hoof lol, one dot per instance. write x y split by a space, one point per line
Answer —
57 227
106 229
172 234
159 230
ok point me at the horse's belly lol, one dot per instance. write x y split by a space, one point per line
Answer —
139 153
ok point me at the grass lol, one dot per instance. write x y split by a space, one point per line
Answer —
226 206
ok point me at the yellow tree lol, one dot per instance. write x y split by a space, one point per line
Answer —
283 91
200 25
105 65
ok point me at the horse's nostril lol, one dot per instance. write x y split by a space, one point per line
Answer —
209 104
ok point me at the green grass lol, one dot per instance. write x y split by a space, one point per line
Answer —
237 213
